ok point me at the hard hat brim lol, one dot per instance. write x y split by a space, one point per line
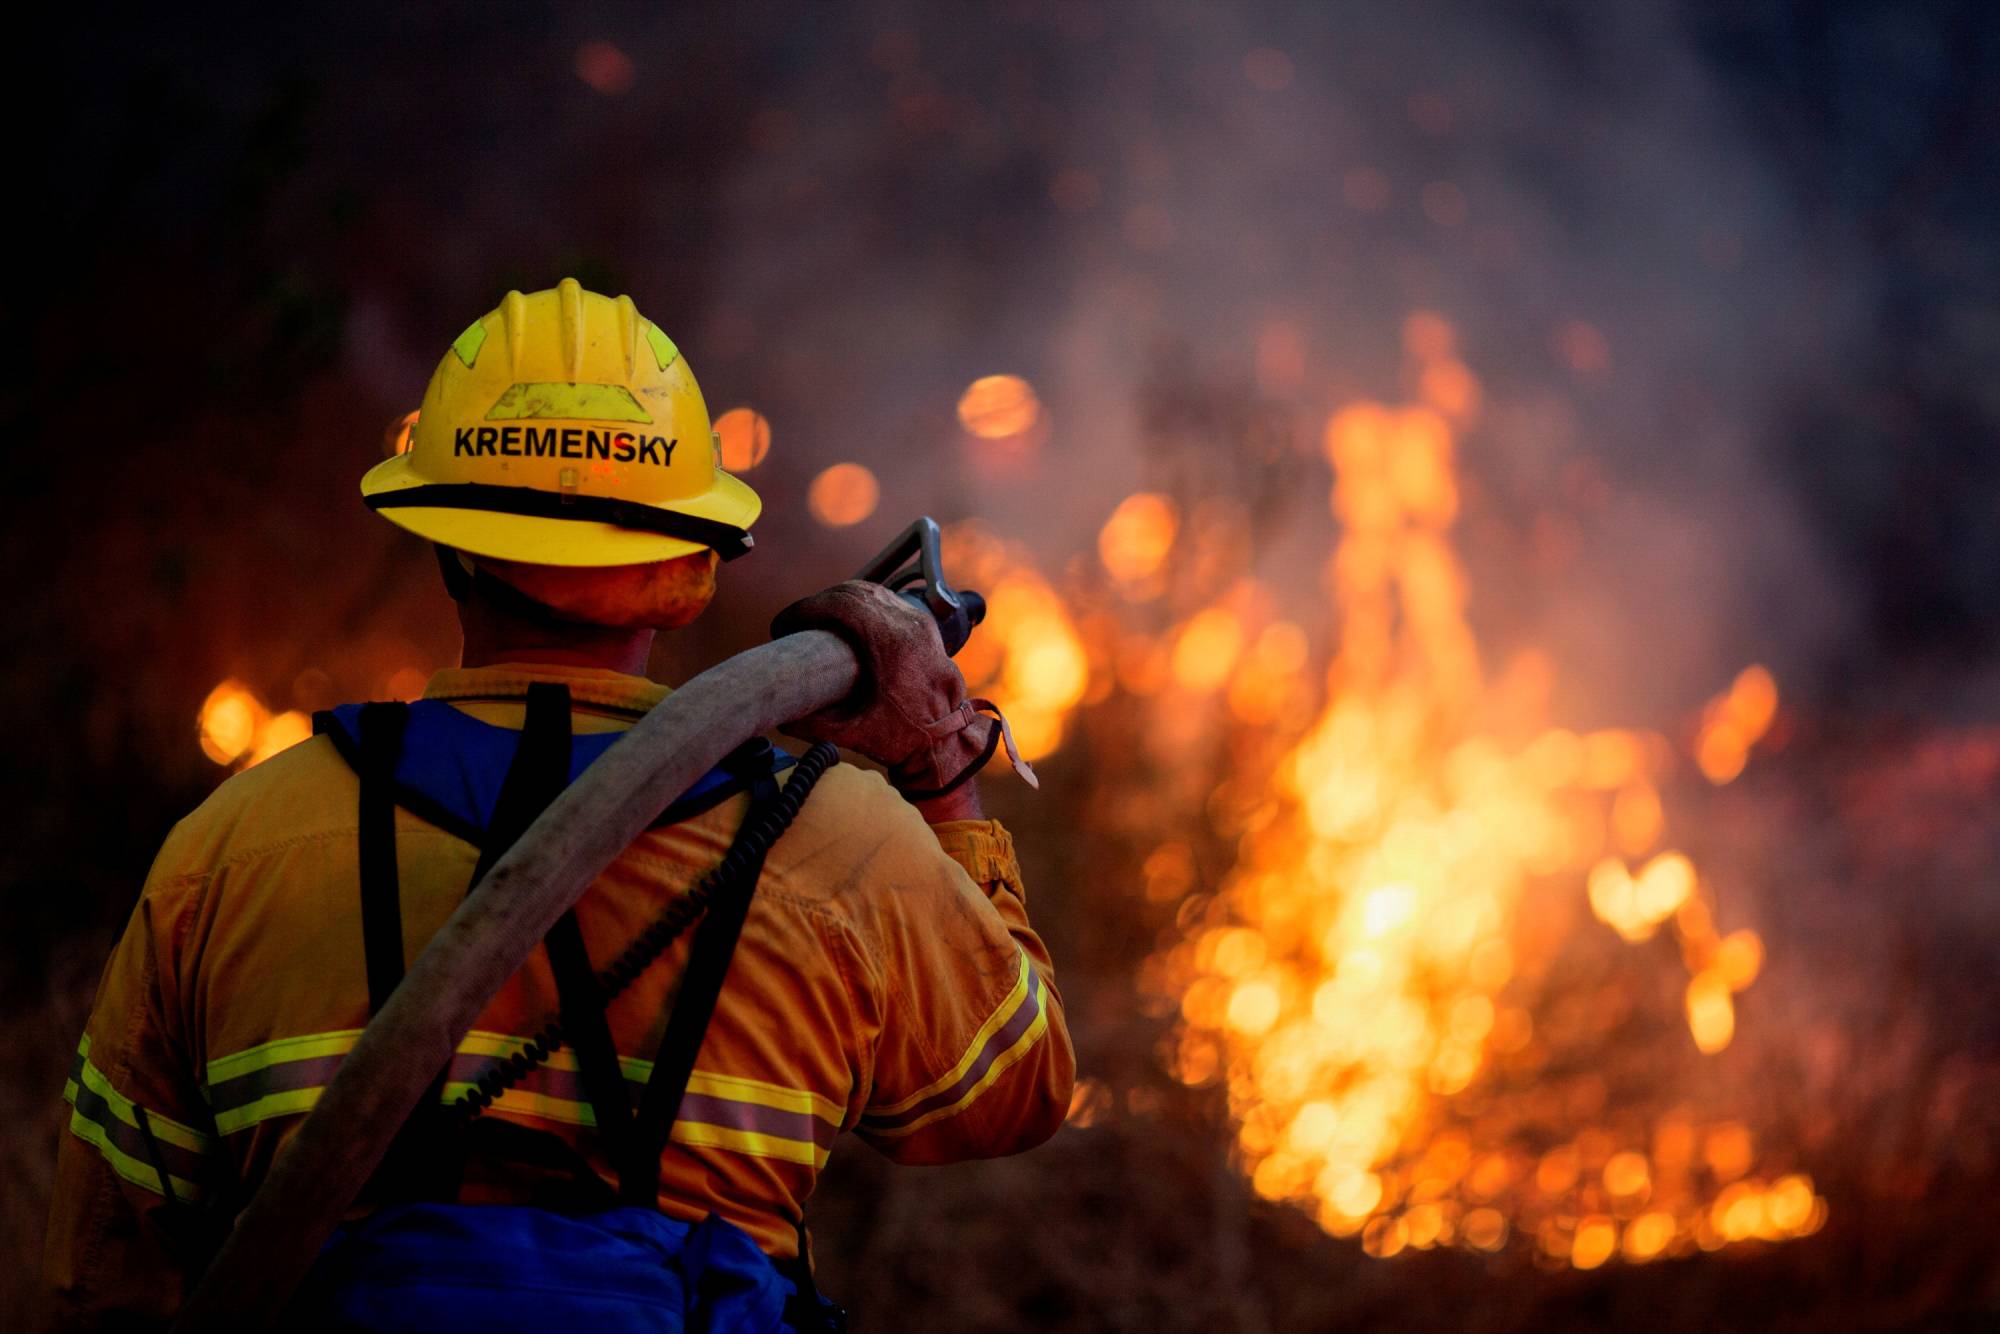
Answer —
544 541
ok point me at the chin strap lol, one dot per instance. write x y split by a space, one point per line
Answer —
464 579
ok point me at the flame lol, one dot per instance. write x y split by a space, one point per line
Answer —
842 495
1026 656
1364 984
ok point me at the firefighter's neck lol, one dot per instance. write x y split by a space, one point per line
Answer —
492 637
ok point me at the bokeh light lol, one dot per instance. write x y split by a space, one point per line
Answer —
605 68
1135 540
843 495
396 438
236 729
999 407
230 719
746 438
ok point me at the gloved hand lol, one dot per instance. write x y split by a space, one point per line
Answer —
908 711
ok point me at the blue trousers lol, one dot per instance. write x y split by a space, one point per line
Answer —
426 1268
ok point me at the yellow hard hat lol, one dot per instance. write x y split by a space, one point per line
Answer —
565 429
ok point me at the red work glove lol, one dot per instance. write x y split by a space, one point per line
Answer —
908 711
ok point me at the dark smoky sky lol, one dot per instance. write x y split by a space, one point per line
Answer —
247 235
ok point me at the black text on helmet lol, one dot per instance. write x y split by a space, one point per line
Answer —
565 442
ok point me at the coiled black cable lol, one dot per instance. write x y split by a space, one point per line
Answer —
761 831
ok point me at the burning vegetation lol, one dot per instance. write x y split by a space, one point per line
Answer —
1370 984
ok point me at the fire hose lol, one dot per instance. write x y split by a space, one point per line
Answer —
322 1169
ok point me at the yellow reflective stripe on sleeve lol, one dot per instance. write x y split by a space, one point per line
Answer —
134 1170
720 1111
994 1023
311 1045
264 1108
697 1135
165 1128
1000 1066
738 1089
111 1123
1021 1023
734 1087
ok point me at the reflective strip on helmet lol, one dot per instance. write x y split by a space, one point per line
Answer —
664 351
575 402
725 539
467 344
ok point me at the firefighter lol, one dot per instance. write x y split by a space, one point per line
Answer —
886 979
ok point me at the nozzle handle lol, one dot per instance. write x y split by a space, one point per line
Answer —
912 566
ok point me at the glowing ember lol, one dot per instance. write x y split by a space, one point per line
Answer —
746 438
1365 984
842 495
997 407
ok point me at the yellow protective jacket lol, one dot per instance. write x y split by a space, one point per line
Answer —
886 982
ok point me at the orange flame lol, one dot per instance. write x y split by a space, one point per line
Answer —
1349 984
1027 656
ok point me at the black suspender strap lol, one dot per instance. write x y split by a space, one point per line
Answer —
417 1164
381 893
538 775
403 1169
589 1032
708 965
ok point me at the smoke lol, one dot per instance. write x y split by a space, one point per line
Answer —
1065 191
